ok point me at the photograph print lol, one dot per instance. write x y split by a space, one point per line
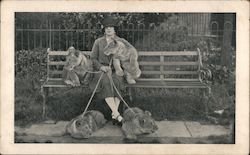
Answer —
124 77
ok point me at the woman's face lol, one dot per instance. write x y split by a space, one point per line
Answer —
109 30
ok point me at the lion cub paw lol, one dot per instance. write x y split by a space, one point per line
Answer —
119 72
130 80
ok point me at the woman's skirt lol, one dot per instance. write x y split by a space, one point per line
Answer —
105 88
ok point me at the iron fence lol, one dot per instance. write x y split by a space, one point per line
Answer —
44 35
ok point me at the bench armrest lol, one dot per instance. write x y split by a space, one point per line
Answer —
205 75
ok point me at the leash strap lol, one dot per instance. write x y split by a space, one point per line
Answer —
92 95
114 86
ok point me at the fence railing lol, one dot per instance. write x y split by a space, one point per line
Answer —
56 37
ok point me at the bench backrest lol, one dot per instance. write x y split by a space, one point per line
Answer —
155 65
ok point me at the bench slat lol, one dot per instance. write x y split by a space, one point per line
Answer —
168 86
51 53
170 72
149 72
166 79
149 63
181 63
141 84
56 62
65 52
55 72
149 79
140 53
166 53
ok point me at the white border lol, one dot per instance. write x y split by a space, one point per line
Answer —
7 75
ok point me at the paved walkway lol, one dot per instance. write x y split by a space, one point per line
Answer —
171 129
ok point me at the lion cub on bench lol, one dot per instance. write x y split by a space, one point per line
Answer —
126 58
76 68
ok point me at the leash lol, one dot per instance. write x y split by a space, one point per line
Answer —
93 93
114 86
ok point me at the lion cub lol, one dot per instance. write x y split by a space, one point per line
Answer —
137 122
83 127
76 68
126 58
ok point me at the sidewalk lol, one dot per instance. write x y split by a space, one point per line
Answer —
167 129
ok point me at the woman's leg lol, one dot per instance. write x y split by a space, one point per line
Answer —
117 103
113 104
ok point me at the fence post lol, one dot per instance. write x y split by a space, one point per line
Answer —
227 38
77 36
59 37
41 36
22 36
28 37
53 32
49 34
66 35
34 35
71 38
83 39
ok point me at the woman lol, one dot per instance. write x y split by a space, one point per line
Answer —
102 62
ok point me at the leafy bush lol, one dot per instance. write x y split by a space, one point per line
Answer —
171 35
30 67
223 80
30 63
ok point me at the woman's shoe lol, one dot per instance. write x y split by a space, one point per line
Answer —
117 121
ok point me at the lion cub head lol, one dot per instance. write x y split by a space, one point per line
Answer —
145 123
118 50
81 127
138 122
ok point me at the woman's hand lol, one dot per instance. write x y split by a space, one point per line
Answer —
105 69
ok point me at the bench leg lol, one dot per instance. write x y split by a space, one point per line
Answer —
205 101
206 97
44 93
131 94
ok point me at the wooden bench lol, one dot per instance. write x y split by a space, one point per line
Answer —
160 69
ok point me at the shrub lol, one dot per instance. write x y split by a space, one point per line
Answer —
30 64
30 67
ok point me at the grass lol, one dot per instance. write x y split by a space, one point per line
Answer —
170 104
28 103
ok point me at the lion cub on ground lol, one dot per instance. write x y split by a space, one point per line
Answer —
137 122
83 127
